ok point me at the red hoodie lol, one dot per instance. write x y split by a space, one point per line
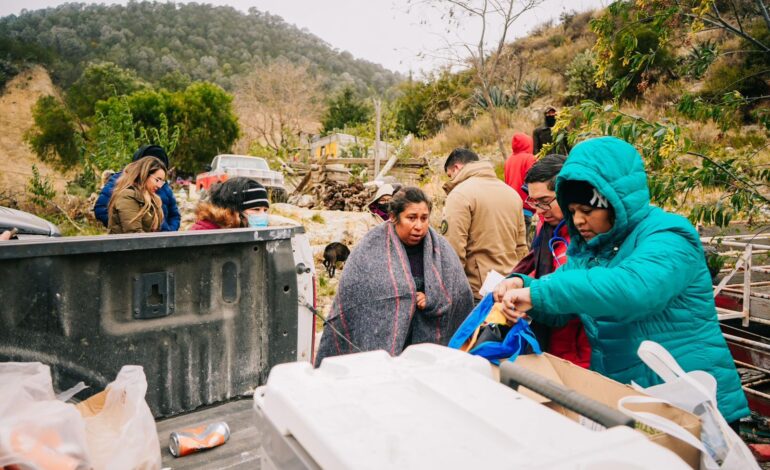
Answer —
519 163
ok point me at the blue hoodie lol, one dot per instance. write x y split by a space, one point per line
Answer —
645 279
171 215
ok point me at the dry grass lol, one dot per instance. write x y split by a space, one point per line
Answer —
479 136
16 104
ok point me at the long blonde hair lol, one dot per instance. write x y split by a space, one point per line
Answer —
135 175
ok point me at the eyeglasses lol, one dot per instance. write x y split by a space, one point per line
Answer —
542 205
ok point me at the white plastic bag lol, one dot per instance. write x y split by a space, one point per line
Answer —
38 431
120 429
113 429
721 448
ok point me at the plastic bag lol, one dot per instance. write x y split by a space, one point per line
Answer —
120 429
721 448
38 431
515 342
113 429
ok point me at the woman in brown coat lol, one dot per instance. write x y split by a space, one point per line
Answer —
134 207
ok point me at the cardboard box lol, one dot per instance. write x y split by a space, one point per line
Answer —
607 391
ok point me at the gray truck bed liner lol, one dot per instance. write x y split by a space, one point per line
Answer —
240 452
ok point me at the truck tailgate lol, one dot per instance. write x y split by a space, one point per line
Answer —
240 452
207 314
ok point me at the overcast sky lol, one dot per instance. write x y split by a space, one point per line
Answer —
387 32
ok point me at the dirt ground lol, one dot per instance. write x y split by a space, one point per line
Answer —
16 105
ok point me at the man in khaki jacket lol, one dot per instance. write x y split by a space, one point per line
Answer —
483 218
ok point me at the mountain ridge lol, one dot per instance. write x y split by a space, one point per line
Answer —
199 41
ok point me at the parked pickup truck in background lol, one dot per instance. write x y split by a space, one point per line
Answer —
256 168
207 314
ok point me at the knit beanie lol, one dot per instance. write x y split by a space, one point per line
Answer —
255 195
580 192
239 194
151 151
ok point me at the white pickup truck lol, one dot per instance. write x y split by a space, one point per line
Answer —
229 166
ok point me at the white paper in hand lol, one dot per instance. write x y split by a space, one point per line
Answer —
493 279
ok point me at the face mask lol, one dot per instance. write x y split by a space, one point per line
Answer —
258 220
550 121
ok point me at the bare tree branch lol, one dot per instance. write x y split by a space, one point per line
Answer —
765 14
719 22
275 103
492 15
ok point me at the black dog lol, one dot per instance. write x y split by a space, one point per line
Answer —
333 253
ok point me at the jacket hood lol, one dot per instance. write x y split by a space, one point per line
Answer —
616 170
522 143
482 168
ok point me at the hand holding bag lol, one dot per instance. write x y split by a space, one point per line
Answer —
481 334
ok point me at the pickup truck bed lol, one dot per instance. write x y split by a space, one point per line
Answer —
206 314
240 452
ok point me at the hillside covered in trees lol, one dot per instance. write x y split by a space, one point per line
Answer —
687 84
174 44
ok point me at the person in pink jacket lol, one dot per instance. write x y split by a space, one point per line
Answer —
235 203
516 167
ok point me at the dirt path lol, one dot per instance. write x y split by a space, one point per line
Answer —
16 158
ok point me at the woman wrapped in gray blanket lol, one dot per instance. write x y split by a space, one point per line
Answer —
402 284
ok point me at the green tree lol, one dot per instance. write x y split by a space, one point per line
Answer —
53 137
175 81
199 41
112 140
16 55
345 109
208 125
674 181
116 134
681 172
580 79
100 81
424 107
412 108
202 115
40 189
634 35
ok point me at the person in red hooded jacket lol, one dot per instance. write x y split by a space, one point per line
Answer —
549 251
516 167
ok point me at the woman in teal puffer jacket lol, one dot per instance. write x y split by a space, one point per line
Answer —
635 273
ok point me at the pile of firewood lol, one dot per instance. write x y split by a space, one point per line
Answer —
338 196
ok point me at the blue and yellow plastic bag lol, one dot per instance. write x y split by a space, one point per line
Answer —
484 315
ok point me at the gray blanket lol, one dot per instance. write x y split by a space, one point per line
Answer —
375 305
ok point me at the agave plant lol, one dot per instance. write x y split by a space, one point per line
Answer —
532 90
500 98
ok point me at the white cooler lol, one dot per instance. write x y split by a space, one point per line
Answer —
431 407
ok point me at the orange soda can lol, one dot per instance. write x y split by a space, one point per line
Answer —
189 441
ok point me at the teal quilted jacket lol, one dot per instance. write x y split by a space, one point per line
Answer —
645 279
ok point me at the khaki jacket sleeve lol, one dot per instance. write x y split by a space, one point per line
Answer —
522 249
457 215
127 208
